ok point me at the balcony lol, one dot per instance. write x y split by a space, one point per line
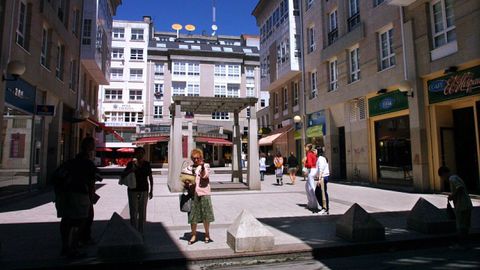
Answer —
332 36
401 2
347 40
353 21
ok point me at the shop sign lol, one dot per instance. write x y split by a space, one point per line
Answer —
45 110
20 94
460 84
387 103
297 135
316 124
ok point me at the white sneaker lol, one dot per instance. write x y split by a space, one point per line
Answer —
323 212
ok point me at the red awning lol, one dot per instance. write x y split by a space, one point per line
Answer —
126 150
209 140
106 129
269 139
151 140
103 149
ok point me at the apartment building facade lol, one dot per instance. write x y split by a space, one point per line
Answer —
199 65
122 102
40 107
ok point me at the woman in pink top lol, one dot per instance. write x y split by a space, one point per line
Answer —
202 211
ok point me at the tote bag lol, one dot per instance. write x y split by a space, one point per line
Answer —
129 180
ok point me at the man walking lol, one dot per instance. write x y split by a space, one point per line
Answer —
461 202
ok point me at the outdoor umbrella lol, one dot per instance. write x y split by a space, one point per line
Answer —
126 150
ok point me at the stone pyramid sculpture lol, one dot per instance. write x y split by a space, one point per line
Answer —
120 239
358 225
427 218
247 234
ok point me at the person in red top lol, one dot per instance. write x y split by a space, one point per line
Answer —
310 164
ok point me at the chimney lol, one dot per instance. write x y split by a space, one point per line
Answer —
148 19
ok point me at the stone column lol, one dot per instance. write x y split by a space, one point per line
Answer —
191 143
237 148
175 165
253 170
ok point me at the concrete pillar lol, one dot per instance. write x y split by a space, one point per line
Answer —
175 164
191 143
253 170
237 148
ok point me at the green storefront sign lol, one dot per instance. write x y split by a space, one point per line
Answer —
297 135
461 84
387 103
315 131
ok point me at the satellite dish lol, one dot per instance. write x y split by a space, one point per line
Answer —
214 27
177 27
190 27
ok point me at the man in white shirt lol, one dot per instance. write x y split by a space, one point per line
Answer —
321 193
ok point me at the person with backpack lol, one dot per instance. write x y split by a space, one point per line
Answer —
278 162
74 185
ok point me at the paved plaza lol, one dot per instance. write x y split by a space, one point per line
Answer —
29 228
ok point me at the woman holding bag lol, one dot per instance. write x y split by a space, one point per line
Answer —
310 165
202 210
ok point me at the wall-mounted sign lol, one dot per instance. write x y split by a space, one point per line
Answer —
460 84
315 131
20 94
123 107
387 103
316 124
45 110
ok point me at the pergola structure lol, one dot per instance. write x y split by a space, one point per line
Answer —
209 105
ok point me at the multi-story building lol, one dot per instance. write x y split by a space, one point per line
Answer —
198 65
44 38
280 50
122 102
443 52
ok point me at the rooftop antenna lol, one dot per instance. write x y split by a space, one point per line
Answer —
177 27
214 12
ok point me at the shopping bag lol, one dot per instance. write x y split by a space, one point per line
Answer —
185 202
129 180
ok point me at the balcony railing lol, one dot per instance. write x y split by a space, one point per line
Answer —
332 36
353 21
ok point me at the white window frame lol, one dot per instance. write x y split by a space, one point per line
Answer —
377 2
309 3
295 94
386 53
285 98
313 84
158 88
135 94
117 53
233 90
179 88
233 71
193 69
136 54
179 68
159 69
333 20
220 70
311 38
220 90
193 89
157 112
354 63
22 24
137 34
59 69
220 116
118 33
333 74
44 48
250 91
353 7
116 75
276 105
136 76
113 94
446 29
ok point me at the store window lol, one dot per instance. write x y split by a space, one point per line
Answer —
393 149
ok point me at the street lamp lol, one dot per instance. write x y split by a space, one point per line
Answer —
15 69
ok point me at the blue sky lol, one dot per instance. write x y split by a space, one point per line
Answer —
233 16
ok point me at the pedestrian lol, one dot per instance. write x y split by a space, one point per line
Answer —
292 167
310 165
461 202
73 181
244 159
323 174
202 210
269 162
278 162
263 166
138 197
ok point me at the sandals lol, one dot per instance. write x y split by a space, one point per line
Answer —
192 240
207 240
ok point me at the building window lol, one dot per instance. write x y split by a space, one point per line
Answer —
117 53
130 117
250 72
332 27
262 103
157 112
443 22
220 91
159 69
178 88
179 68
87 32
135 95
22 25
220 116
118 33
113 94
377 2
137 34
311 38
220 70
60 61
136 54
73 75
387 56
136 74
313 84
193 69
76 22
44 51
233 90
285 98
333 75
193 89
233 71
250 91
354 64
276 105
295 93
158 91
116 74
309 3
354 15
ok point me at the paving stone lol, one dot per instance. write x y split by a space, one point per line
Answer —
357 225
120 239
247 234
427 218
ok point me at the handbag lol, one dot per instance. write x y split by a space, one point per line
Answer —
450 212
305 170
187 175
279 172
185 202
204 181
128 180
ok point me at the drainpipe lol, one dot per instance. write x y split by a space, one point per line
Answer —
302 54
405 75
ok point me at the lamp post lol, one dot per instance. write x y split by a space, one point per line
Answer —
299 119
